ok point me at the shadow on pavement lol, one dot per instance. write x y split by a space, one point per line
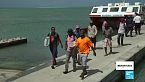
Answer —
93 71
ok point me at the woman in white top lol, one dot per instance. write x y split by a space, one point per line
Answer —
121 32
92 32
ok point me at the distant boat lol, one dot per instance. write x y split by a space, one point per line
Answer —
114 11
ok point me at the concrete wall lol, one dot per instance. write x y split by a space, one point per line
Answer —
137 57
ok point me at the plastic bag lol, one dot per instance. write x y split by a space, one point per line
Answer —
46 41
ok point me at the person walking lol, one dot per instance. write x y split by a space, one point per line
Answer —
121 32
77 31
77 34
84 43
54 42
137 21
92 32
129 25
107 32
69 47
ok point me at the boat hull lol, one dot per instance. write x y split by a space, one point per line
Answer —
112 21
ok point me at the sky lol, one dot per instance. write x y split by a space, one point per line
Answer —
58 3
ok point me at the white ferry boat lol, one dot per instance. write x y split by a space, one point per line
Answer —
114 11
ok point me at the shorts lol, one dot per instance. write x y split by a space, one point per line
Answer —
107 42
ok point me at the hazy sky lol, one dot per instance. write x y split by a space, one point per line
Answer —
57 3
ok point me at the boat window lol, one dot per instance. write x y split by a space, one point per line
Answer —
123 9
95 10
114 9
135 9
104 9
143 8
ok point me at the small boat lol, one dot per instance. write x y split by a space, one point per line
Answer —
114 11
12 41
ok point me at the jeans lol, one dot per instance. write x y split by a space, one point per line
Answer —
68 55
54 53
83 58
120 36
137 28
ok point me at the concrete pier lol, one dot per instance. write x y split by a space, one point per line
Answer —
101 68
12 41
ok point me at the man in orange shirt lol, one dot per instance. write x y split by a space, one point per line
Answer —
84 44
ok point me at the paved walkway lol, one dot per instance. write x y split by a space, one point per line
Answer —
6 73
99 66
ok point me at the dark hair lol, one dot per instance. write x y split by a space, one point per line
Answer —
136 13
52 27
70 30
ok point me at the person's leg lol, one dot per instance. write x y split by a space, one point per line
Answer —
122 37
53 58
105 46
68 55
110 45
94 42
126 31
74 61
139 28
136 29
84 64
118 39
131 29
55 52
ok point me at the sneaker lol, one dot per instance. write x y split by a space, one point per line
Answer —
122 44
65 72
52 67
74 70
126 35
83 74
110 52
79 63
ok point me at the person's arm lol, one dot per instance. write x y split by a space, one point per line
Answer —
60 41
88 31
134 19
91 45
111 30
66 45
96 30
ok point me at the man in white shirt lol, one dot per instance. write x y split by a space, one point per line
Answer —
137 21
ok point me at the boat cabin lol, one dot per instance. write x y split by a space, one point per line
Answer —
113 11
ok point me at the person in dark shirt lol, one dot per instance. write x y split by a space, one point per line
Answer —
54 42
107 32
129 26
